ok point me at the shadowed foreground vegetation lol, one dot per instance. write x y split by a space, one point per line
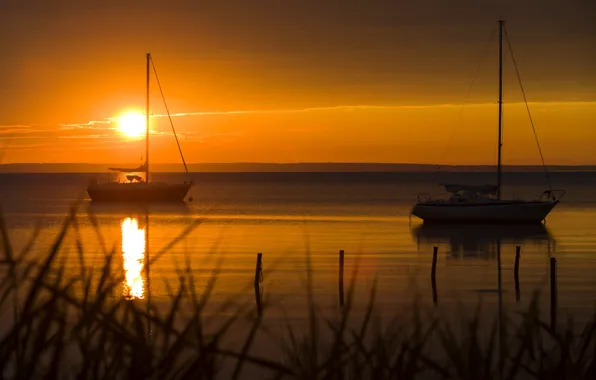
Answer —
56 324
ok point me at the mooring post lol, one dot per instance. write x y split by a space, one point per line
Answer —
516 273
433 273
258 281
553 292
341 278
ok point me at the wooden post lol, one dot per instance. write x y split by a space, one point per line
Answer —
553 292
433 274
341 278
516 273
258 281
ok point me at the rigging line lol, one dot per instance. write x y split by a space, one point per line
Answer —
168 112
461 111
503 129
528 110
502 123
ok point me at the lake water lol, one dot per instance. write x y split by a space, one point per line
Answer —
285 215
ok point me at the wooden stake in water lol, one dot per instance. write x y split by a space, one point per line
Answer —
258 281
433 274
553 292
341 278
516 273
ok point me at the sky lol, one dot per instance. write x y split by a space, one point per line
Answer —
297 81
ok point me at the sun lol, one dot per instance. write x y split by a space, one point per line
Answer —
132 124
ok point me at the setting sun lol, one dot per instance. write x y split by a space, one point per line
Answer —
132 124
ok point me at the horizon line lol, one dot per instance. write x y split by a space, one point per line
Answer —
297 163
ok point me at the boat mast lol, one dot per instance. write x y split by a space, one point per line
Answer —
500 145
147 122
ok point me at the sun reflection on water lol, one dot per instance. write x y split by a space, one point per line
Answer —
133 254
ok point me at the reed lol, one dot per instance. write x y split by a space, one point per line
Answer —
56 325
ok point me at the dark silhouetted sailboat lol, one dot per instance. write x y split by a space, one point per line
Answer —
137 189
472 204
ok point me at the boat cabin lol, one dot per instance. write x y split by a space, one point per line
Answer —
470 193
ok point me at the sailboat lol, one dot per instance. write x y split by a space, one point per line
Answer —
473 203
137 189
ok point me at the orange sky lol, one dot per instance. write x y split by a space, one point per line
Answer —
298 81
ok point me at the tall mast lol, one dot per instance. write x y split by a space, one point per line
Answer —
147 121
501 22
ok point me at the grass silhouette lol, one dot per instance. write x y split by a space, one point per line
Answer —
56 325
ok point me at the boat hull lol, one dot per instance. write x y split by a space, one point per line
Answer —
490 212
138 192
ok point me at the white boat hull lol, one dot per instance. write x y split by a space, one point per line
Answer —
489 212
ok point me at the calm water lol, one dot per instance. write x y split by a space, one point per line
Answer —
285 215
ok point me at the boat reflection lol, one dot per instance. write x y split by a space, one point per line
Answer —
133 255
132 208
481 241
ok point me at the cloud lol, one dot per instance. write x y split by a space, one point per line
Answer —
101 124
103 131
302 110
360 107
13 130
87 124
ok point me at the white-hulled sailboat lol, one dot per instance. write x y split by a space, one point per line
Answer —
473 204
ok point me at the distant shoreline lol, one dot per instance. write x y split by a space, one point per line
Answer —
288 167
